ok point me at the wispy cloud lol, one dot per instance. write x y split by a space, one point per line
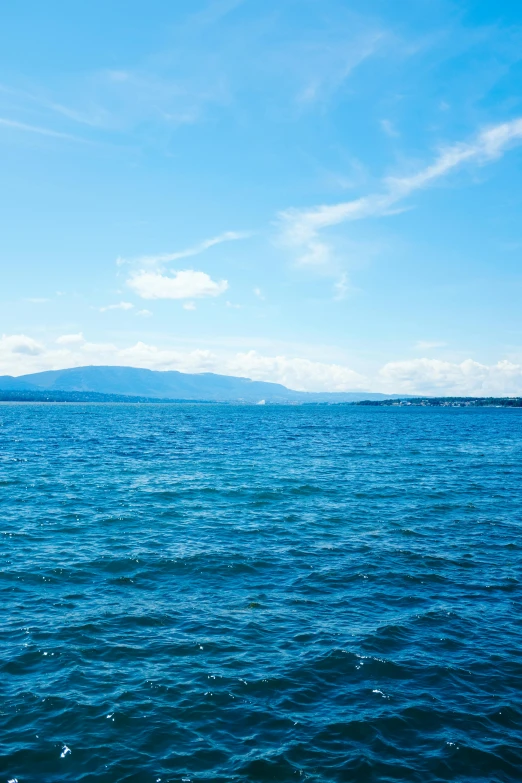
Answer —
428 345
341 287
389 128
22 126
323 62
215 11
23 97
120 306
195 250
301 228
303 67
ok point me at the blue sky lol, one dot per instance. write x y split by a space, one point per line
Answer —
323 193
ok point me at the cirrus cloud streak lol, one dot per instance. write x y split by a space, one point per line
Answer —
195 250
301 227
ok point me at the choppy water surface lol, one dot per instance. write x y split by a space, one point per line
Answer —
213 593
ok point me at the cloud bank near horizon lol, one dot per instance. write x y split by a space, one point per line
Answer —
21 354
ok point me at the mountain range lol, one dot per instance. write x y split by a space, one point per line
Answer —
133 382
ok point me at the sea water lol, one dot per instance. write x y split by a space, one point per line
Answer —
248 593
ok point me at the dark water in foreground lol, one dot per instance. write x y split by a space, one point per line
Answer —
260 594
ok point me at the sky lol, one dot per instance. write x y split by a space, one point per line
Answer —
322 193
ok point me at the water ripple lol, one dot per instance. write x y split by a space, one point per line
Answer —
227 593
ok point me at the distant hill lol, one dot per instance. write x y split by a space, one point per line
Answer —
172 385
18 384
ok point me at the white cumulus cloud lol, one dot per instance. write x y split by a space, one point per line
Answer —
20 344
71 339
296 373
153 358
186 284
437 377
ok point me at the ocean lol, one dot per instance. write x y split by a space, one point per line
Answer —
256 593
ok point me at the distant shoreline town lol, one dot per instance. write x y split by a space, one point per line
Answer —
449 402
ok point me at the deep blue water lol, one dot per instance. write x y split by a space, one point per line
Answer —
221 593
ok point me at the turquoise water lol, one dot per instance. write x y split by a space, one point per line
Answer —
224 593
